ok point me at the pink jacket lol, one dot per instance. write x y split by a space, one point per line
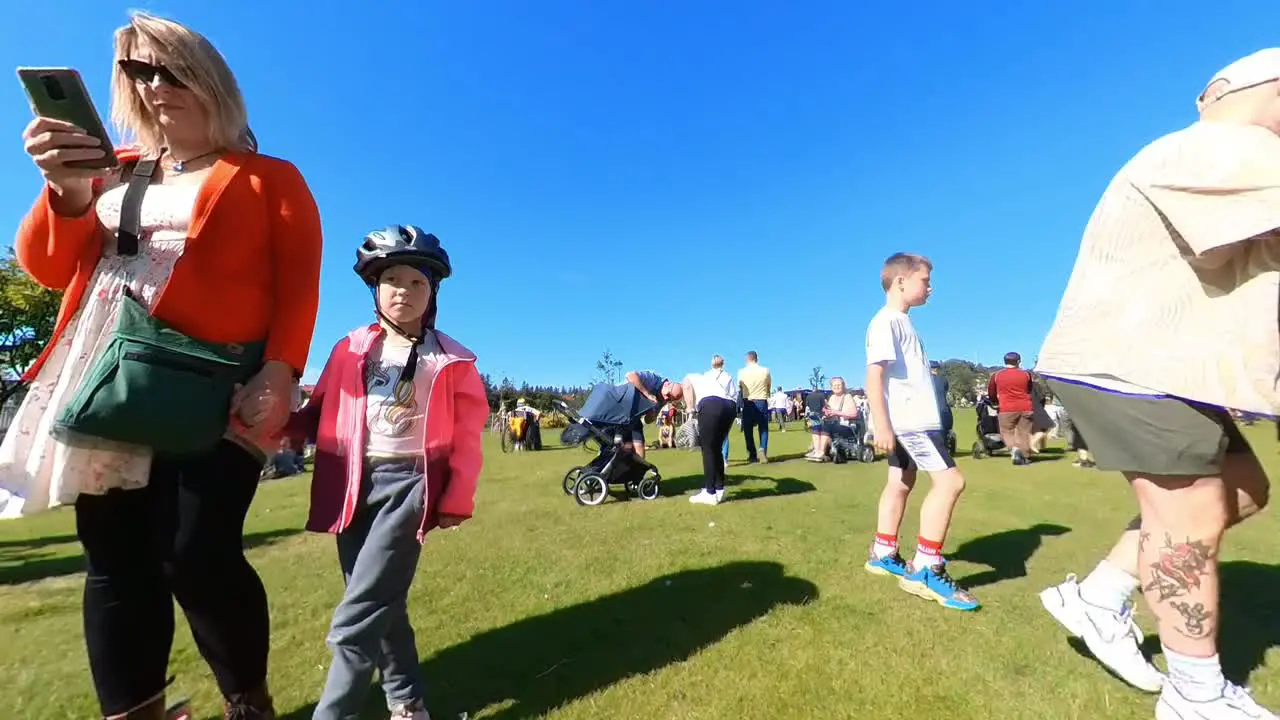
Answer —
457 411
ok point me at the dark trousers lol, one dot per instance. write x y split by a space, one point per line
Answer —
715 419
181 537
755 414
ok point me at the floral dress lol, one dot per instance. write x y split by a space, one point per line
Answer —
41 468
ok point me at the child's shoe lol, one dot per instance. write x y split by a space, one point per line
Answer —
933 583
891 564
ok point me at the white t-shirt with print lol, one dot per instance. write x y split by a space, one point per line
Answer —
892 340
394 414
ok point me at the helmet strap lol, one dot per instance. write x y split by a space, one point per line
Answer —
410 363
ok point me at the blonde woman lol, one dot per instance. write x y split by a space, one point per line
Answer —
228 252
713 397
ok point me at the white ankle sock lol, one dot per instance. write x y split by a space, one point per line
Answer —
1108 587
925 559
1198 679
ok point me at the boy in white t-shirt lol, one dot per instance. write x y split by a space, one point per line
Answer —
909 430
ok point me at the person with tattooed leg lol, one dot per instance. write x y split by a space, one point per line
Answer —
1168 324
1098 611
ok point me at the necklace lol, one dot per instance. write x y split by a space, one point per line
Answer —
181 165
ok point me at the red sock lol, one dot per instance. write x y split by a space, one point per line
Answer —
928 552
884 545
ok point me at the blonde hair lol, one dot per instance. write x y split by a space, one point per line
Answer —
717 362
194 60
900 264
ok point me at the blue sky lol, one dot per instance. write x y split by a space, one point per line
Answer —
675 178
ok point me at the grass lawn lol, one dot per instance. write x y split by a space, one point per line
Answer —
758 608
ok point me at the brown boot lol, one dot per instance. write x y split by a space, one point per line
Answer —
253 705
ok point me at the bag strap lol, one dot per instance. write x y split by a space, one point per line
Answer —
130 231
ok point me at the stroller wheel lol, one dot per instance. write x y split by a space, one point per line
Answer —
650 487
868 454
977 451
591 489
571 479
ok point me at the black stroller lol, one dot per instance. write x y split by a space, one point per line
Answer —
989 441
605 420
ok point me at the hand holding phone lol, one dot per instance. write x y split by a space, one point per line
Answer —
67 139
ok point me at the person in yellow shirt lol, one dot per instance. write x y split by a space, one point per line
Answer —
754 382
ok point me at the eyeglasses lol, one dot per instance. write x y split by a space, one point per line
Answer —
145 72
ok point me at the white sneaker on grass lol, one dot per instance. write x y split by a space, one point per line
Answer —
1113 638
702 497
1234 703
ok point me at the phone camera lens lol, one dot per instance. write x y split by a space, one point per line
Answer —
53 88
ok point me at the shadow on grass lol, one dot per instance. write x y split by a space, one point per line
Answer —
781 486
1250 619
539 663
1006 553
23 561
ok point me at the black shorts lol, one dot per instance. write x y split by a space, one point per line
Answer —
925 451
637 431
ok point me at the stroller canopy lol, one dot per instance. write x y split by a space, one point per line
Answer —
615 404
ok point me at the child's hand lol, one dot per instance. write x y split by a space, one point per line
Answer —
450 521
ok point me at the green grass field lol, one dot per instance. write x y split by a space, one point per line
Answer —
758 608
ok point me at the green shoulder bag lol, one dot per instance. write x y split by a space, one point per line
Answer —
153 385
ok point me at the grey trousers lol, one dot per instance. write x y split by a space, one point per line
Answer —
379 555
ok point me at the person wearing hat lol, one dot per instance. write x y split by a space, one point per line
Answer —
1011 389
941 389
1169 323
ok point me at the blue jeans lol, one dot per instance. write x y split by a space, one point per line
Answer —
755 414
379 556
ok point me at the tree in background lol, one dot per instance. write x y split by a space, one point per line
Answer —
817 379
27 314
608 368
963 379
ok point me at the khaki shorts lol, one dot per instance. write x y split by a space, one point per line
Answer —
1150 436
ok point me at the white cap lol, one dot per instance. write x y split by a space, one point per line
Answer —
1249 71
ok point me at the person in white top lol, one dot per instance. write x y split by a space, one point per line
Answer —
713 397
1167 324
780 405
908 428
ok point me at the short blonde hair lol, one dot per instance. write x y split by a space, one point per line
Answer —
717 362
900 264
194 60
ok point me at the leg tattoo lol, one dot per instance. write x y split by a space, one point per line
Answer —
1177 573
1195 619
1178 568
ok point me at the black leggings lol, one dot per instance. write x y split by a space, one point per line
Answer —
180 537
715 420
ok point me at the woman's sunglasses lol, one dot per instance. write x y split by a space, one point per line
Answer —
145 72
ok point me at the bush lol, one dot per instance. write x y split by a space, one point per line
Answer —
553 420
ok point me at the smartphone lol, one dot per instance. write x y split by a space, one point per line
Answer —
59 93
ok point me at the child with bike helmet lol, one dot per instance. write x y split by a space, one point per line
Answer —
397 417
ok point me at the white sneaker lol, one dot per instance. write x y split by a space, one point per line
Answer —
720 496
412 711
1114 639
702 497
1234 703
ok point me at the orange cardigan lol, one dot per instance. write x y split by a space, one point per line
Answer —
250 269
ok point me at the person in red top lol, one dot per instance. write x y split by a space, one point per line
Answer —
1011 388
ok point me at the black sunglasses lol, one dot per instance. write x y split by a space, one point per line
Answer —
145 72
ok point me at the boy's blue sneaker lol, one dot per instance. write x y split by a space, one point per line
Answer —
892 564
933 583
